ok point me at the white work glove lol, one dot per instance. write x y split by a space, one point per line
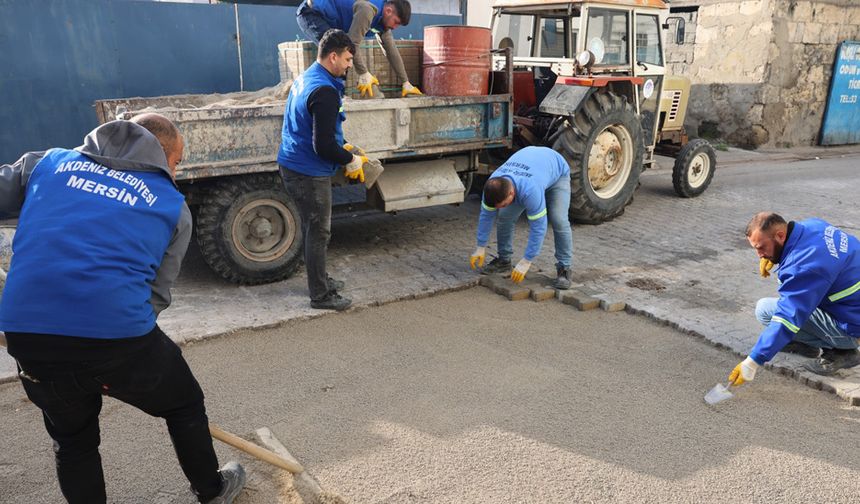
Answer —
365 84
354 170
743 372
477 259
409 89
520 270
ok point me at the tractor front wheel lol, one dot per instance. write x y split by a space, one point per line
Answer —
694 168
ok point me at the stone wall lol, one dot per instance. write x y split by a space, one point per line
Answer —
801 56
760 69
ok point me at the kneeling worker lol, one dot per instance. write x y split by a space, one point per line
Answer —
535 180
818 309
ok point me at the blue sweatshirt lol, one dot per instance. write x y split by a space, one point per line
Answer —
819 268
532 170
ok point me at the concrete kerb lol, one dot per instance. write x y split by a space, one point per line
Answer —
735 156
740 156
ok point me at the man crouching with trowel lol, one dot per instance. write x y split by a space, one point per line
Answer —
101 236
818 309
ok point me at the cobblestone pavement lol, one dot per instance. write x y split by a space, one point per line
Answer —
682 261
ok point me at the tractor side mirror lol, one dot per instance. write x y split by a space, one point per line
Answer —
680 30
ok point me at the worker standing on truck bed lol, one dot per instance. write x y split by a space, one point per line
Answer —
535 180
361 18
101 236
312 150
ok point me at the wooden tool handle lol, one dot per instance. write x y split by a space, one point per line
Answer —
254 450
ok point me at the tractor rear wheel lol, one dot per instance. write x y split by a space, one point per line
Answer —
604 149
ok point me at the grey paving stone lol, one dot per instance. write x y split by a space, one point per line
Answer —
513 291
610 305
488 281
542 293
579 300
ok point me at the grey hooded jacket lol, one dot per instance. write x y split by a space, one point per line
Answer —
121 145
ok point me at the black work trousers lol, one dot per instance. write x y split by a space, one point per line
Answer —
155 379
313 197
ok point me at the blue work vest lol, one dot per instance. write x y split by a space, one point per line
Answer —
339 14
90 240
297 144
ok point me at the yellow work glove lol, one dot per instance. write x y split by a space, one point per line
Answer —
365 84
409 89
520 270
743 372
764 267
358 151
355 169
477 258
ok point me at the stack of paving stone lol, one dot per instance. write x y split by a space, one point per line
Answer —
538 288
295 57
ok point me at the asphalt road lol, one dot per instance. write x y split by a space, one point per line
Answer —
469 398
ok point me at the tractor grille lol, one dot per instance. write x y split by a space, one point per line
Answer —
676 104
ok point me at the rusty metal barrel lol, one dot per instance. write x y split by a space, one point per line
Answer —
456 60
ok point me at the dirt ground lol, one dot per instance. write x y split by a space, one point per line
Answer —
469 398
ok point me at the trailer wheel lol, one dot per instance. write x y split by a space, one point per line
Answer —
249 229
694 168
603 146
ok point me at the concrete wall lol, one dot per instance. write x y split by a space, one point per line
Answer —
760 69
59 56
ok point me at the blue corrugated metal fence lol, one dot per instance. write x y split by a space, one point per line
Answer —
58 56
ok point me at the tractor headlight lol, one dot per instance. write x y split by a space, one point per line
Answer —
585 58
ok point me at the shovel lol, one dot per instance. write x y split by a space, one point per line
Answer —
718 394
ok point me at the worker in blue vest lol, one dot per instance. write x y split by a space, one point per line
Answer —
361 18
312 150
535 180
817 313
102 231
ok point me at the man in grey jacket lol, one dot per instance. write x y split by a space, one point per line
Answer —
360 18
102 231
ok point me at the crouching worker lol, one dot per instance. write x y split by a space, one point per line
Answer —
817 313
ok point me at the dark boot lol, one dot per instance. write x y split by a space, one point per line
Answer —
562 279
331 301
834 359
497 265
233 478
334 285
